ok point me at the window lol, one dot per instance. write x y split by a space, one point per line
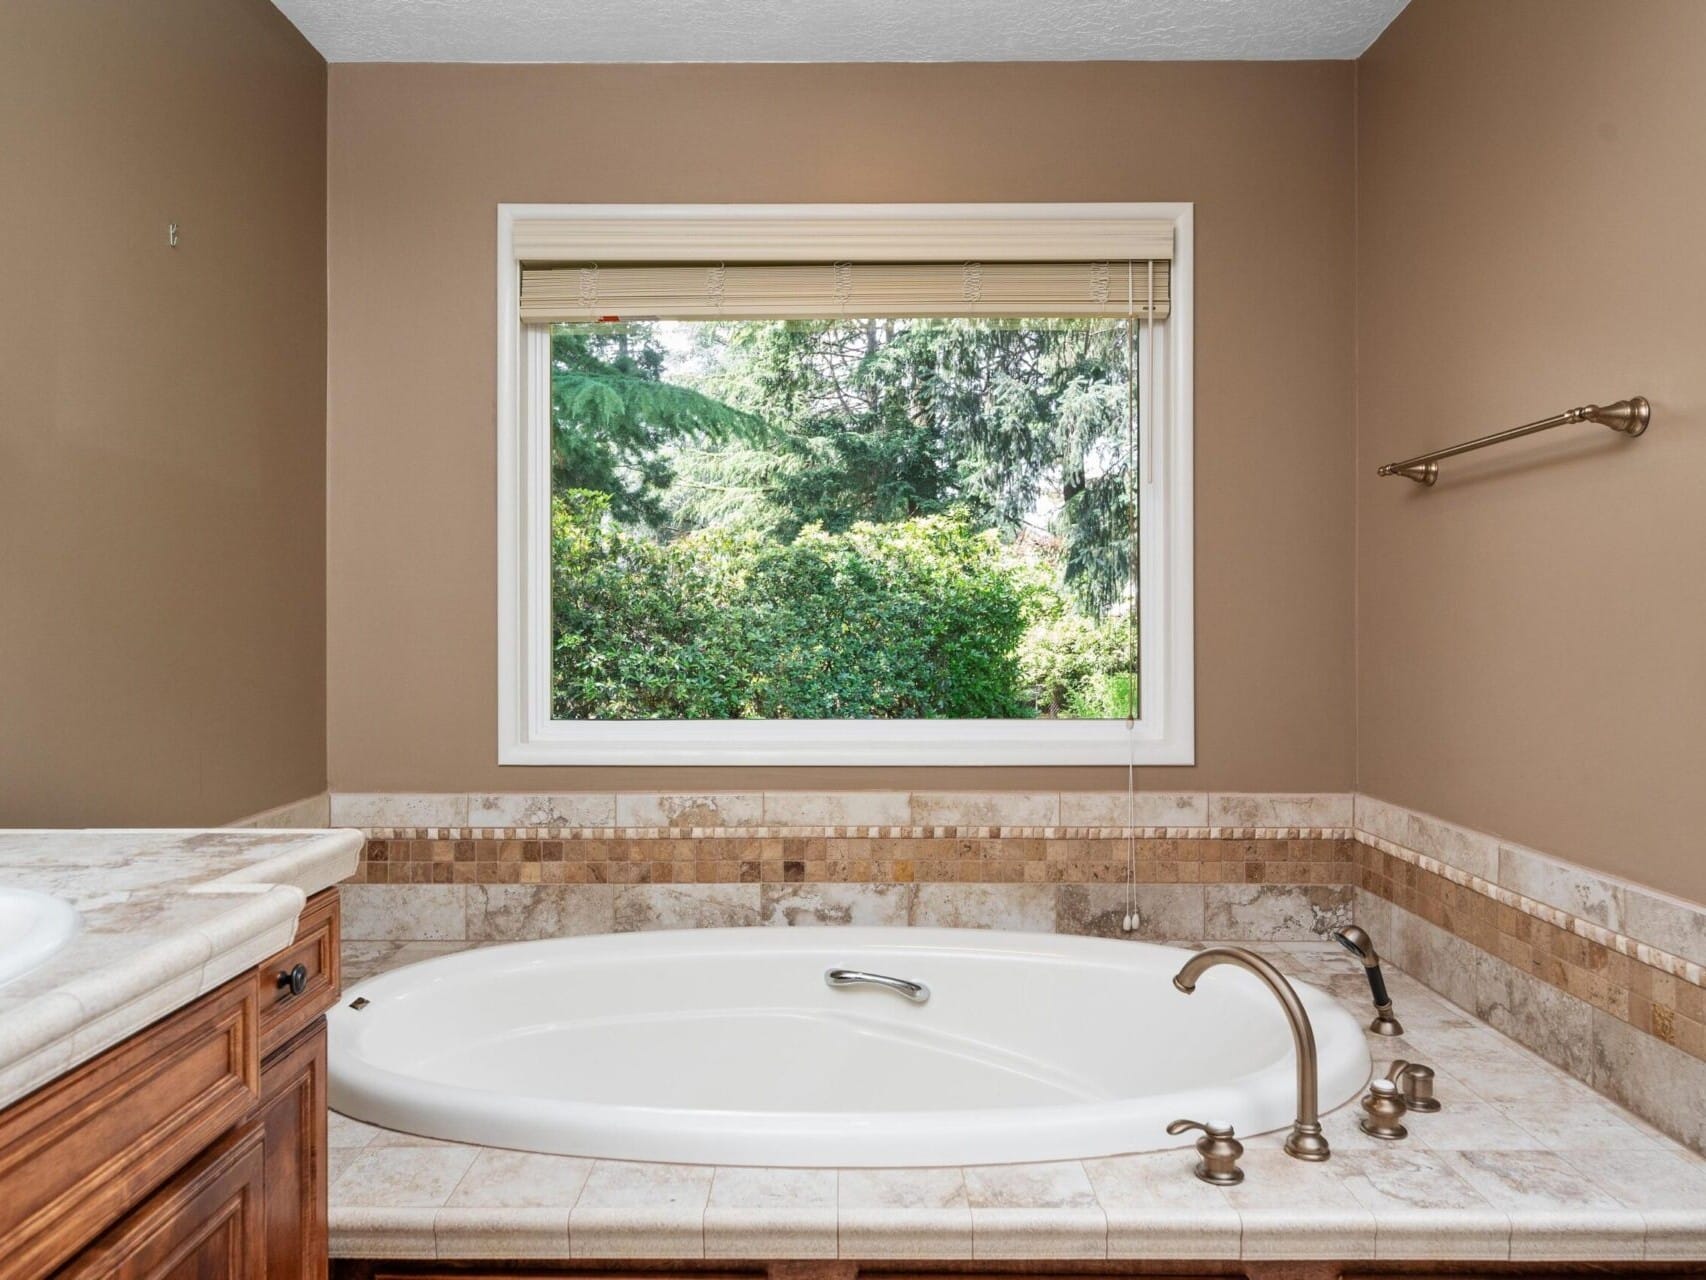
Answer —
844 485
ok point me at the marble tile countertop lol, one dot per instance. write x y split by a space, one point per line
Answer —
164 917
1522 1163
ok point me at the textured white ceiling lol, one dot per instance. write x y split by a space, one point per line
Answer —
835 30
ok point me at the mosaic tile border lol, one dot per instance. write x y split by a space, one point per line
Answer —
765 856
1543 914
858 833
1665 931
1607 972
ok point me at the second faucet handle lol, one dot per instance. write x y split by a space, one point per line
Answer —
1219 1151
1416 1083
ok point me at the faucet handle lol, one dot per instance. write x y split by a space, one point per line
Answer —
1416 1083
1217 1147
1383 1109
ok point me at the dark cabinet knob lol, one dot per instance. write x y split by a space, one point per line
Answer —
294 979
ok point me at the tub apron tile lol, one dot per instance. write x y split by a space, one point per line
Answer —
1157 1208
904 1213
1035 1211
633 1210
1293 1209
771 1213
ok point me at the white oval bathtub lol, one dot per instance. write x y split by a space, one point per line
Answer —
725 1046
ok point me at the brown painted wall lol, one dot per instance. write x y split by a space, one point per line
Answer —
1532 633
420 156
162 412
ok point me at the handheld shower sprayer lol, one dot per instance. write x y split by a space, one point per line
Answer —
1360 945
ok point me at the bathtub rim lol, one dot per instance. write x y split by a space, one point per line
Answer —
364 1090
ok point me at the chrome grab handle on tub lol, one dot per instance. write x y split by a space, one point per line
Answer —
916 992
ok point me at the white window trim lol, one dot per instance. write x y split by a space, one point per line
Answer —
528 736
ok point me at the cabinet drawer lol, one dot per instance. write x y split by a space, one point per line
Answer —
79 1153
284 1012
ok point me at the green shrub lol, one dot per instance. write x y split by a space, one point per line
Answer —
922 617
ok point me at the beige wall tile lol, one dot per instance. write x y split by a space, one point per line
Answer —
536 809
1028 908
404 911
1143 809
985 808
837 808
515 912
725 809
353 809
1242 809
836 904
685 906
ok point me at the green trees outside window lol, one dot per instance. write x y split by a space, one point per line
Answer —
841 519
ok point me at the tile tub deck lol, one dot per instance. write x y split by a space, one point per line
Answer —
1523 1164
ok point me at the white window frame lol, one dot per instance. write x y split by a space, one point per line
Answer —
527 735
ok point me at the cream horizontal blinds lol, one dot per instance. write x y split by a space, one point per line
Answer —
584 291
802 233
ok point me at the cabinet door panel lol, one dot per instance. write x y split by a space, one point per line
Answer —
293 1117
205 1224
79 1153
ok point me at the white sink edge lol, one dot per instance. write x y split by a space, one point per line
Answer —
54 924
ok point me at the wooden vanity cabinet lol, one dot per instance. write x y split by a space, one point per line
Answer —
196 1148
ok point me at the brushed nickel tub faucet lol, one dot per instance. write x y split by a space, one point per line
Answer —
1360 945
1306 1141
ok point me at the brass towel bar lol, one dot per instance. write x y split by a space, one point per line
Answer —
1629 416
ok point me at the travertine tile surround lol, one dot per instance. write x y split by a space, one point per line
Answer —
309 812
1523 1163
1603 976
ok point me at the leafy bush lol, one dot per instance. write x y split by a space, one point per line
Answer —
1075 665
922 617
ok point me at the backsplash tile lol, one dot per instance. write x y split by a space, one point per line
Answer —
1275 912
569 809
1164 912
984 809
836 904
1251 809
1668 923
686 906
432 809
424 912
837 808
728 809
1576 890
1025 908
1143 809
513 912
